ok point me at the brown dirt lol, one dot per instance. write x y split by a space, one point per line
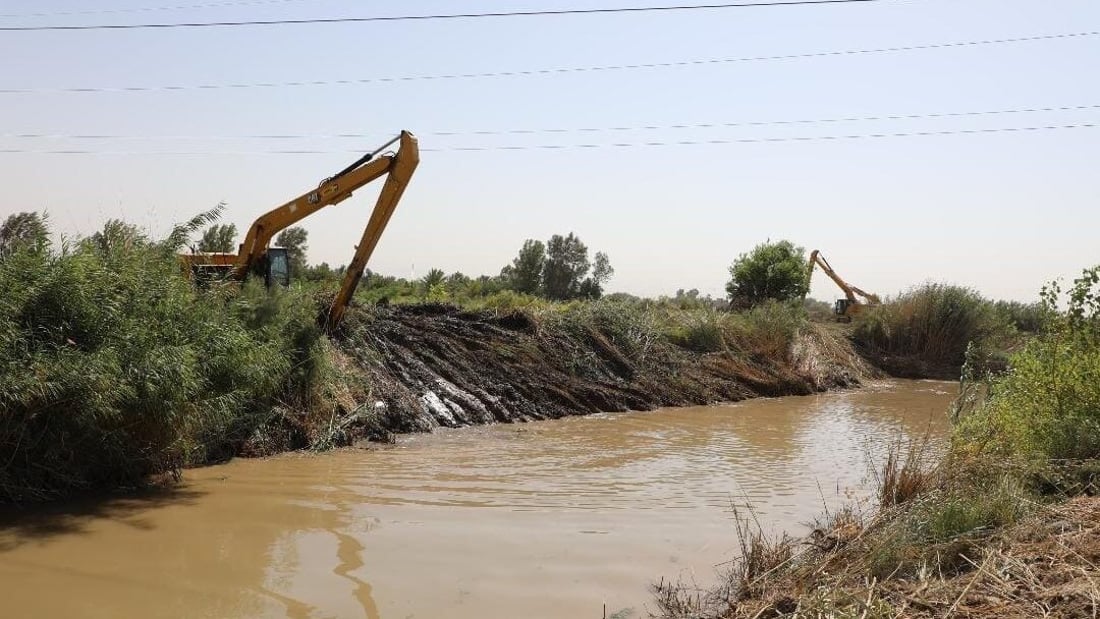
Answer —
423 366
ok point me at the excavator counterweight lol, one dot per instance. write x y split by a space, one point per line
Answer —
256 257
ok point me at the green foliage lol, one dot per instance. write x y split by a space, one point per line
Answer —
767 330
934 323
1024 317
434 286
114 367
1047 407
524 275
699 331
565 267
775 271
219 238
592 286
27 230
295 239
633 330
117 236
505 301
323 273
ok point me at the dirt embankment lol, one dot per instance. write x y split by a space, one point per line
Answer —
413 368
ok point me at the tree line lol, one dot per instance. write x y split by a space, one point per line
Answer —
558 269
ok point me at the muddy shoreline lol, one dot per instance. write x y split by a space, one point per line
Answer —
413 368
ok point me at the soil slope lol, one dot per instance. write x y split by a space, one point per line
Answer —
413 368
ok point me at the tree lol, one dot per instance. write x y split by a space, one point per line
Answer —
433 283
434 277
457 283
565 267
23 230
592 286
525 272
219 238
294 240
770 271
602 269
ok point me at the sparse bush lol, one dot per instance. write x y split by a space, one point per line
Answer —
905 475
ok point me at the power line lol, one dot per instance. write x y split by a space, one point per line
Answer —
148 9
562 130
815 138
551 71
395 18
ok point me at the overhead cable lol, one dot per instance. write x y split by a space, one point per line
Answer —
620 145
557 130
397 18
549 71
149 9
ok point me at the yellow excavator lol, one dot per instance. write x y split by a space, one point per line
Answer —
850 305
256 258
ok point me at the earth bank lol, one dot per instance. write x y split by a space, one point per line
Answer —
411 368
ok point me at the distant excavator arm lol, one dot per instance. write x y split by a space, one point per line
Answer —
851 292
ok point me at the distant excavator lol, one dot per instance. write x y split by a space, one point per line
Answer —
850 305
256 258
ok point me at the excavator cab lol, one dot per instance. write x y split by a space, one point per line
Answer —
276 267
850 305
841 310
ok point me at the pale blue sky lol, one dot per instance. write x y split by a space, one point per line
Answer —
1002 212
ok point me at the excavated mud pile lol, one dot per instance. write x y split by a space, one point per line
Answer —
437 365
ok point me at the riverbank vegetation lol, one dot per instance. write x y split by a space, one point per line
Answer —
116 369
1005 524
927 331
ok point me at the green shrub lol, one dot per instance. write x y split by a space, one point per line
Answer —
699 330
1024 317
934 323
771 271
1048 405
114 367
966 511
630 327
767 330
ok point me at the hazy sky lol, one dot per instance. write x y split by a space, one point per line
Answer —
1002 212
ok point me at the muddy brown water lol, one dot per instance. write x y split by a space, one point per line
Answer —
546 519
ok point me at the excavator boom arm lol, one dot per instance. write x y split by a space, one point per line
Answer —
850 291
330 191
403 164
397 167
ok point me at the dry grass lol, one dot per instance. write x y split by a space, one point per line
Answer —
906 474
1044 566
